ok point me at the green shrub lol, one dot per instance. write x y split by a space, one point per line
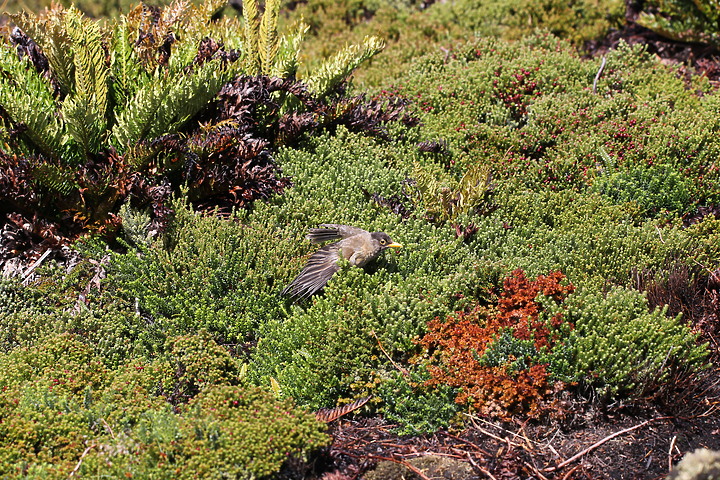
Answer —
589 238
579 21
504 360
226 276
230 432
416 407
683 20
205 273
412 32
306 349
527 111
247 430
58 303
199 363
621 347
654 189
63 410
44 397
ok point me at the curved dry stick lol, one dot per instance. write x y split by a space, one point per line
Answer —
405 464
77 467
597 444
598 74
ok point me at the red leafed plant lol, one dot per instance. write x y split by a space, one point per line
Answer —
458 347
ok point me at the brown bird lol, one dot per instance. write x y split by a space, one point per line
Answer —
355 244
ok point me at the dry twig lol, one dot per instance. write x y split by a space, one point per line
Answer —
479 468
670 455
598 443
598 74
400 369
77 467
405 464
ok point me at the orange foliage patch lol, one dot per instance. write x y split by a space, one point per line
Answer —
458 343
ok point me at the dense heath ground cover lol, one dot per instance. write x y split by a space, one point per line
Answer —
159 169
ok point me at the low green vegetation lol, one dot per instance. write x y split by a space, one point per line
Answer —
527 189
165 418
687 21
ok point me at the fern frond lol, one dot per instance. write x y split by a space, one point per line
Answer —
135 225
84 122
84 111
28 99
172 16
91 72
608 163
209 8
54 178
287 60
445 198
167 103
268 40
335 70
188 96
133 124
251 14
231 33
139 155
49 33
183 54
474 187
127 73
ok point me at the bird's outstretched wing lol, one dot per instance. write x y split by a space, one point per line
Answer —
317 272
332 231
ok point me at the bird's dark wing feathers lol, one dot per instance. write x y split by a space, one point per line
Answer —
317 272
332 231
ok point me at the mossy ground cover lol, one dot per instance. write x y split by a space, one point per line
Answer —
514 296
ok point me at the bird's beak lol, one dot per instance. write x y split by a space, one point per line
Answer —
394 245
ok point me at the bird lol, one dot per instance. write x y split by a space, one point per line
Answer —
357 246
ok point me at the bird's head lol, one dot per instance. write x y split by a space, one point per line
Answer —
384 240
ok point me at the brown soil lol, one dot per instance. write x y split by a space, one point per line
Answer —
619 442
693 59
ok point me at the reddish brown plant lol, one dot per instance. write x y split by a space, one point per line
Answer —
458 343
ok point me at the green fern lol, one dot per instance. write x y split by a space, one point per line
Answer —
287 59
109 111
50 34
251 15
55 178
335 70
28 99
445 199
85 109
167 103
268 41
128 75
207 9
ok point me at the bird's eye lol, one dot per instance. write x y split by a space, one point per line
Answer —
382 241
